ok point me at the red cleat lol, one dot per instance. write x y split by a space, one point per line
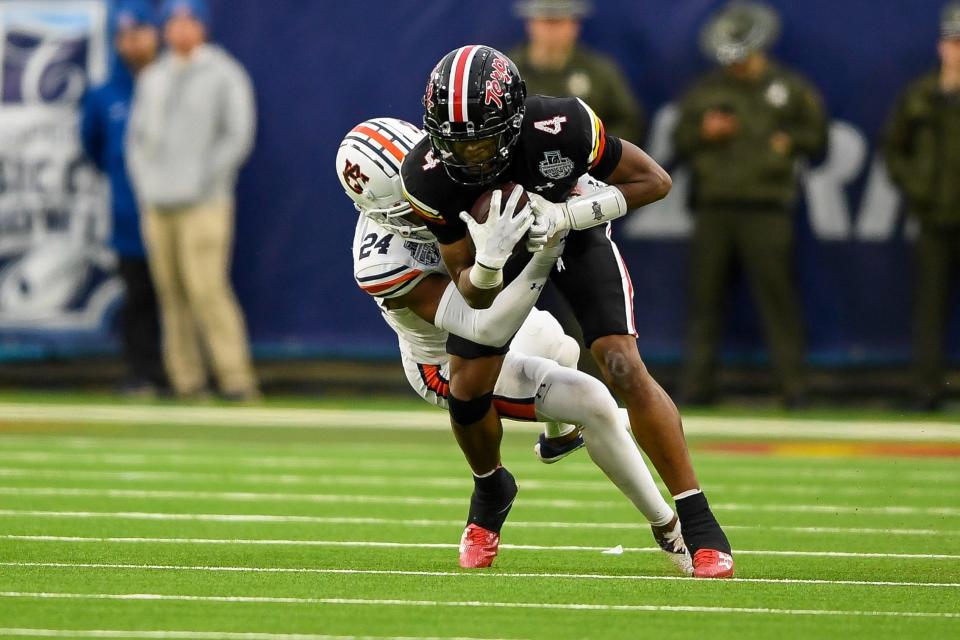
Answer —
710 563
478 547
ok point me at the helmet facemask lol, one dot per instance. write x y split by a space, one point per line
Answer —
475 158
398 219
368 166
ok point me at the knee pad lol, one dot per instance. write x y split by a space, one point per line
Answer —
467 412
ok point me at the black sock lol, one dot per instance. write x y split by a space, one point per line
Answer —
700 529
491 500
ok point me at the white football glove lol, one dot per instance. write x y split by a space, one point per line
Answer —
496 236
549 219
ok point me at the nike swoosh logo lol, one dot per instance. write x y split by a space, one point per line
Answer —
506 508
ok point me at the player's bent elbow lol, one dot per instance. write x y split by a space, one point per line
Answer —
663 182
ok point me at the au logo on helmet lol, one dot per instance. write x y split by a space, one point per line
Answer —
354 177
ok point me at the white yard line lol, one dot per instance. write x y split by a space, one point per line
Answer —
369 462
429 522
571 606
327 498
446 545
916 430
198 635
467 574
460 483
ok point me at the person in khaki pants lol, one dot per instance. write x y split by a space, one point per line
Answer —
191 128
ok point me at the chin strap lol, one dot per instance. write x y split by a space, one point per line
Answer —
596 208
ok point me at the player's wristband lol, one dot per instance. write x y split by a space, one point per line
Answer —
484 277
593 209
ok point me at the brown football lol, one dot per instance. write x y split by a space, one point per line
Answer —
481 207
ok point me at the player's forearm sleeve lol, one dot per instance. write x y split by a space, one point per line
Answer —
496 325
596 208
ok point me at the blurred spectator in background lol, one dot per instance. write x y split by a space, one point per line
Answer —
191 128
742 129
923 156
554 64
103 125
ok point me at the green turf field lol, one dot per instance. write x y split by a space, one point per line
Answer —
342 520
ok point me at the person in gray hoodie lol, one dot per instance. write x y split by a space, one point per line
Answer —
191 128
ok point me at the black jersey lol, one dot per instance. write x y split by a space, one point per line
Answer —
560 140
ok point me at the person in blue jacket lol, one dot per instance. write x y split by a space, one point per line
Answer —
104 113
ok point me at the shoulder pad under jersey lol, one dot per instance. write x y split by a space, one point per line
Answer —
387 266
568 124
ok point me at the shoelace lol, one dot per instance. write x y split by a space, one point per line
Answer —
711 555
480 537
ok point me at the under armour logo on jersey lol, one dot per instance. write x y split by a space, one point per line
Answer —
550 125
555 166
429 161
354 178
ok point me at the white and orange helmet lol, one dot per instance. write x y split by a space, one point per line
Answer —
368 165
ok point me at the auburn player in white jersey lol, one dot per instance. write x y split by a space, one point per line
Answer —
397 261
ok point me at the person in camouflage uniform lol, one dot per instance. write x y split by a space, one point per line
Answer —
922 149
742 129
553 63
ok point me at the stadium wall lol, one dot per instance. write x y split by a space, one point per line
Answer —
320 67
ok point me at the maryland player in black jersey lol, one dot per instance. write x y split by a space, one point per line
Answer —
485 131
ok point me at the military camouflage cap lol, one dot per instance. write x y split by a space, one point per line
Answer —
738 30
950 21
527 9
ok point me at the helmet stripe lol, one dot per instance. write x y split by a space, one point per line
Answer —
452 86
387 144
458 85
399 138
464 89
377 156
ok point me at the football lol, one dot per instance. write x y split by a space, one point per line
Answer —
481 207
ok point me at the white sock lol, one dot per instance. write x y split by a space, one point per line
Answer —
686 494
553 429
573 396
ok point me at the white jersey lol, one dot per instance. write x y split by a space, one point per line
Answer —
387 266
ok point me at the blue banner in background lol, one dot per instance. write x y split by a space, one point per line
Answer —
321 67
58 292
